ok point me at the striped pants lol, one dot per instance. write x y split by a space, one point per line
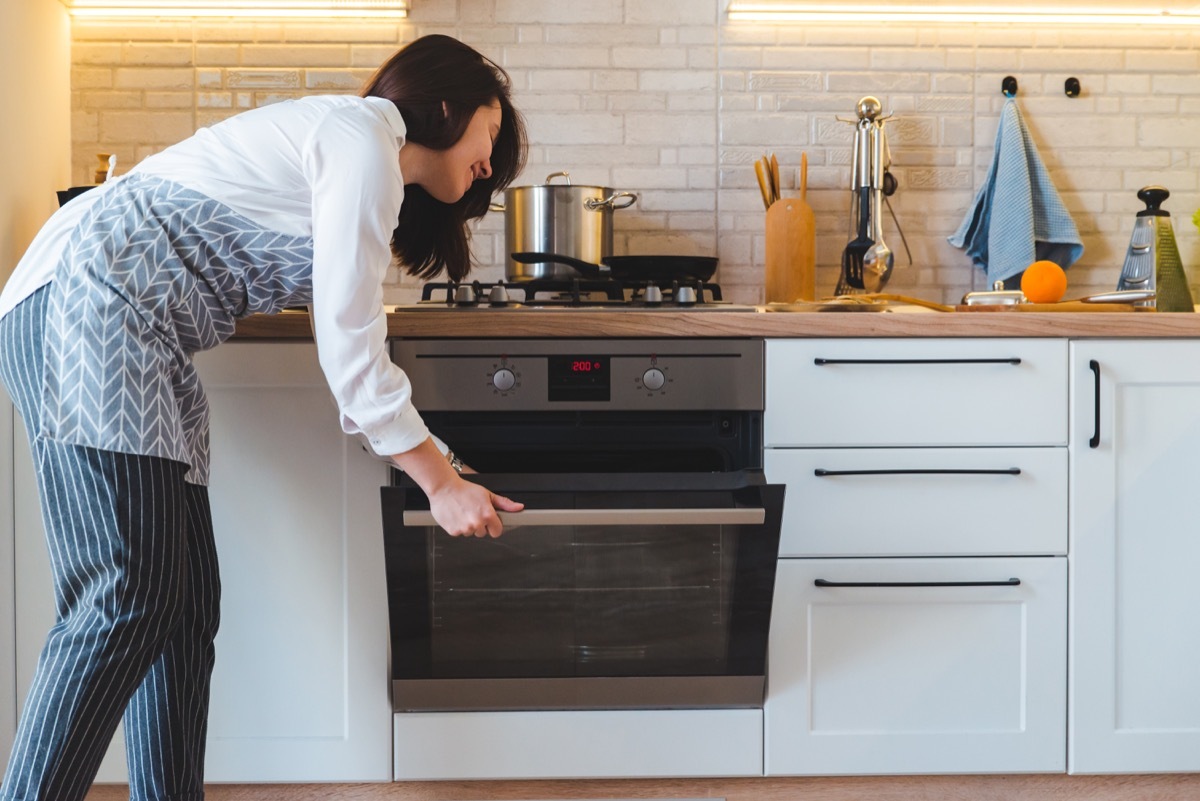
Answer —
137 597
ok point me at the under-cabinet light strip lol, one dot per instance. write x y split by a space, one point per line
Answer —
846 12
239 8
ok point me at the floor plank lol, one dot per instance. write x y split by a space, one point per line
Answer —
1173 787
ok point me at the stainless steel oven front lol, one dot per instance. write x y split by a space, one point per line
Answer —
640 574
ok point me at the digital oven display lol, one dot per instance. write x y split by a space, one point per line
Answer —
579 378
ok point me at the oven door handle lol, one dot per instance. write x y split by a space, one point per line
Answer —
740 516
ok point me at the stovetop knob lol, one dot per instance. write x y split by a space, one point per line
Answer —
652 294
464 295
498 295
685 295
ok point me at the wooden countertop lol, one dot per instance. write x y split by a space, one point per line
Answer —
441 324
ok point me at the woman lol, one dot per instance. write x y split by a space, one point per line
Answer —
303 202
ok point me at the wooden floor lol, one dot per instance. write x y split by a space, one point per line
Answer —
1175 787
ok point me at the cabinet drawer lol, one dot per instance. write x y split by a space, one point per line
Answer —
921 501
925 392
917 678
581 744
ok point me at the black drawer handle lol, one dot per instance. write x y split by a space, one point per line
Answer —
1010 471
819 362
1012 582
1094 442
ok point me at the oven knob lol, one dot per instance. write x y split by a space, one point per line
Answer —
653 379
504 379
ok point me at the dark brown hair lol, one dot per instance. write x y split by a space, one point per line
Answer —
432 236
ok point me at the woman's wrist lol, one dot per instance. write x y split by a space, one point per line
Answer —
428 467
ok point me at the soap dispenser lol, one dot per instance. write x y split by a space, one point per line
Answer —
1152 261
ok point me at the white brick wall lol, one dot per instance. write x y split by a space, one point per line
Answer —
667 98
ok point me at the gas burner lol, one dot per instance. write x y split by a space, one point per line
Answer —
572 292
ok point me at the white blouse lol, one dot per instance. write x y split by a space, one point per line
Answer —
324 167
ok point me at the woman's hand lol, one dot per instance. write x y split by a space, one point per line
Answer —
460 507
466 509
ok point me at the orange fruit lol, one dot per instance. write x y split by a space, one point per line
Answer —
1044 282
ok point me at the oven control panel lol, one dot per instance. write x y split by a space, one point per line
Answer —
583 374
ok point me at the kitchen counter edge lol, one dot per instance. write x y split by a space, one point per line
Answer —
634 324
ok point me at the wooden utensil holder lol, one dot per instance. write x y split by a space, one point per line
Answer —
791 252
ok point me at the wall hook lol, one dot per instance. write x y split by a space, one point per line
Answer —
1072 87
1009 86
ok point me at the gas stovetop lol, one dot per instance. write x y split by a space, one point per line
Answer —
575 293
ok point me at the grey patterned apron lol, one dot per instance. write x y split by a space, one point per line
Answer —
154 273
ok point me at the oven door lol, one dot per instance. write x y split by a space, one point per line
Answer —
610 591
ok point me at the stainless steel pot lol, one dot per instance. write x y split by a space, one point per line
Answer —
563 219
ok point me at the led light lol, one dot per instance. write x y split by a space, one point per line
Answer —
238 8
1092 13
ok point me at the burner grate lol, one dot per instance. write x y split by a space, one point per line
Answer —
572 292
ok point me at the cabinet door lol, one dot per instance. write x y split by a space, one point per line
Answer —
300 686
300 691
967 677
8 612
1135 555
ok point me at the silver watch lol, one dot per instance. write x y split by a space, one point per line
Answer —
455 462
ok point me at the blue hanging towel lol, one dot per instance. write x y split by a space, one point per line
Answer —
1017 217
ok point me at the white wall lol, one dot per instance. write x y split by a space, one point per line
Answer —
35 151
673 100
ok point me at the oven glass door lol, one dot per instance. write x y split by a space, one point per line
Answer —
609 591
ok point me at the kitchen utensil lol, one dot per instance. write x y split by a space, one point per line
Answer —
1121 296
112 166
103 162
659 269
856 249
1152 261
878 260
791 246
763 187
572 220
996 296
1061 306
774 173
67 195
841 303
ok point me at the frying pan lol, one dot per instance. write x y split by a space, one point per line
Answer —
634 268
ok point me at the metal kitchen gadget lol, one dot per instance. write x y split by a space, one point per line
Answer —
867 261
1152 261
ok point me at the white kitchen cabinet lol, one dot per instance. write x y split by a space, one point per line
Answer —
300 690
1135 557
8 610
938 469
917 678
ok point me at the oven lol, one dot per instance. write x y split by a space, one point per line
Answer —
641 572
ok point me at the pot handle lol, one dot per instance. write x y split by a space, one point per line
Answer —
563 174
496 207
592 204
